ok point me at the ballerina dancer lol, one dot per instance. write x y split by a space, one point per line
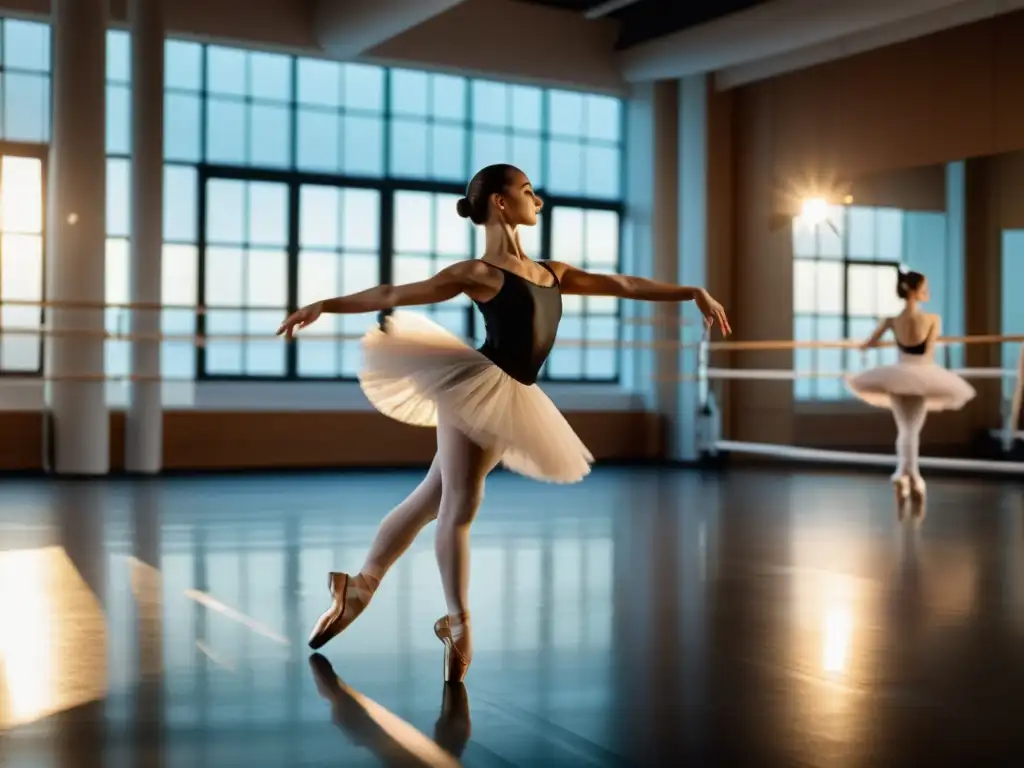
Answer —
484 402
913 386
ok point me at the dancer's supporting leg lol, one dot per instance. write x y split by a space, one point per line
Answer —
910 413
397 531
464 468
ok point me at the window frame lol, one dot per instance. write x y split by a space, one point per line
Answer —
387 182
40 152
387 188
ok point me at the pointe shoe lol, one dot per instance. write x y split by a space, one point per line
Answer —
901 484
917 488
347 604
456 665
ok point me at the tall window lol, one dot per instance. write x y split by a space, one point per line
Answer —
288 178
339 253
24 121
183 148
117 352
844 280
428 238
587 239
245 279
366 165
21 263
25 66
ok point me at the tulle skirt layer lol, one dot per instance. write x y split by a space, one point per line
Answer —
416 370
941 389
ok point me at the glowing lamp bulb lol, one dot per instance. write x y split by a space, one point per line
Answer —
814 211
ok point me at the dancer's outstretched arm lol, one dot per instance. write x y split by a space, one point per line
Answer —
446 284
582 283
884 325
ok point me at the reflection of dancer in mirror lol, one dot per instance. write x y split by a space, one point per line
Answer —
914 385
485 403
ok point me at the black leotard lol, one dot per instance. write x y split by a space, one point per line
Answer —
916 349
521 320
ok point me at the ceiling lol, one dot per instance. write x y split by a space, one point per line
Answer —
645 20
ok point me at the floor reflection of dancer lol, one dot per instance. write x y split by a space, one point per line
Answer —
368 725
485 403
913 386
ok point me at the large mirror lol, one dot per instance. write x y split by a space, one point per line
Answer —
849 242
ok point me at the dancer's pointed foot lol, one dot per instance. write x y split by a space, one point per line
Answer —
901 484
454 633
917 488
349 597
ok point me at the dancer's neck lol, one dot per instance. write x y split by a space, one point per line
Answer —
501 243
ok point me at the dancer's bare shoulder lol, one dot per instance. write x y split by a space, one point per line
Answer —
478 280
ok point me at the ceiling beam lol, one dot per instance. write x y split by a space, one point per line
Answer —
772 29
966 12
347 28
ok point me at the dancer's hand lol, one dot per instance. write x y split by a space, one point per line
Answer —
713 312
300 319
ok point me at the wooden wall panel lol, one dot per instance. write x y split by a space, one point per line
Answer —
205 440
21 448
266 440
947 96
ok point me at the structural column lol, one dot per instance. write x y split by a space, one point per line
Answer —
667 315
692 178
144 422
650 247
76 227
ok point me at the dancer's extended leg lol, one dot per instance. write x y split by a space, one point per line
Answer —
351 594
402 524
464 468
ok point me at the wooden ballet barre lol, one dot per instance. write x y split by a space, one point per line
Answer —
714 346
784 374
111 377
143 306
660 321
205 339
199 309
781 346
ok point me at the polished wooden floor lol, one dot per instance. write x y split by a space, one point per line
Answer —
757 617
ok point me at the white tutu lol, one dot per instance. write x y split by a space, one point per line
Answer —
417 369
915 376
